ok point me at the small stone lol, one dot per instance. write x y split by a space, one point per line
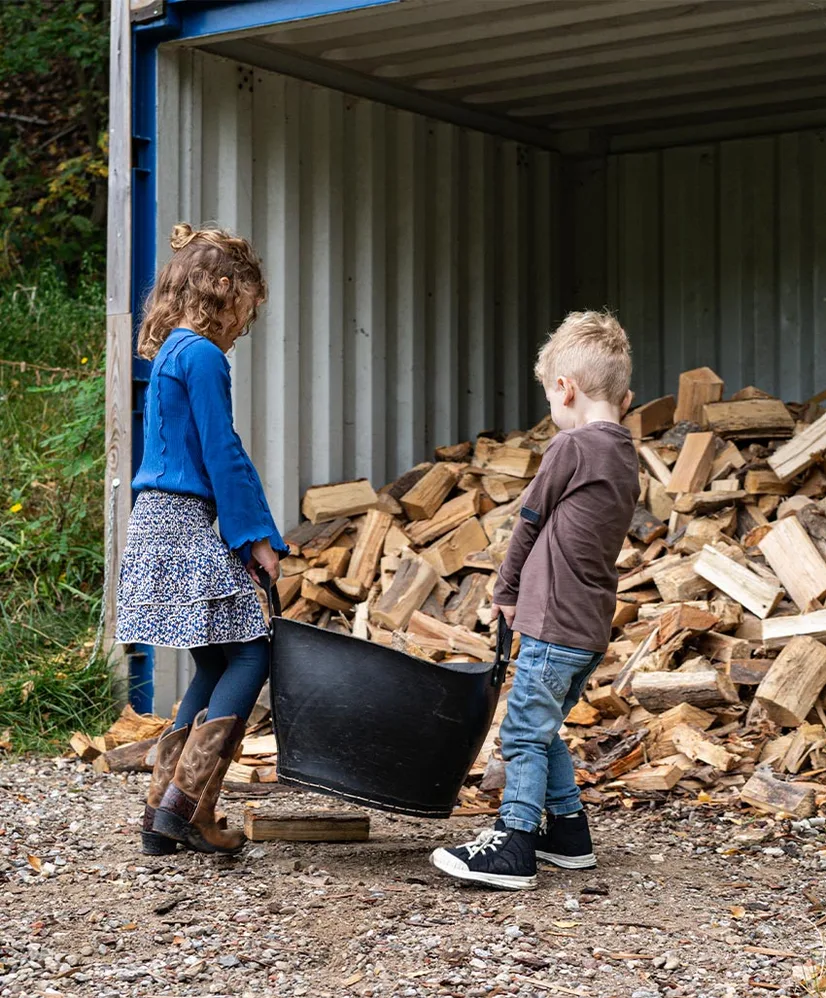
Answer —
513 931
228 961
571 904
773 851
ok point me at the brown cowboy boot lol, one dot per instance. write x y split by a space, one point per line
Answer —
170 746
187 810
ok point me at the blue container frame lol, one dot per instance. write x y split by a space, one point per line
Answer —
182 19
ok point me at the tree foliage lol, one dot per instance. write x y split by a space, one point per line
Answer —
54 102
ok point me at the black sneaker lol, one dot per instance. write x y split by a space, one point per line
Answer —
499 856
566 842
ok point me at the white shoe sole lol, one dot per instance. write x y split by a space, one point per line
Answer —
454 867
586 862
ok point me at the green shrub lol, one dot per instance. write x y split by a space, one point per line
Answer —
51 508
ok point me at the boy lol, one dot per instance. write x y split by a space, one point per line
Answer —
557 587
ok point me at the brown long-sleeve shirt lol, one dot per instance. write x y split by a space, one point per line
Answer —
559 571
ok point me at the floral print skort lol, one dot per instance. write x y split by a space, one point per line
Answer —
180 585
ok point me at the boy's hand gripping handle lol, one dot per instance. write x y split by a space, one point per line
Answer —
504 640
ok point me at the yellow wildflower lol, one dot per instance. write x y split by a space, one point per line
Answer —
16 507
84 360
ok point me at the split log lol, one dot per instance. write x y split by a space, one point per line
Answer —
583 714
329 534
781 628
658 501
655 464
318 826
651 418
83 747
797 562
645 574
288 590
704 530
292 566
607 702
794 682
800 452
504 488
463 608
662 775
368 548
694 744
412 584
659 743
133 727
693 466
396 541
722 647
763 481
696 388
748 671
645 526
405 482
455 452
727 460
448 554
678 580
428 494
351 589
743 585
324 597
794 505
336 559
516 462
303 610
749 419
451 515
131 758
684 617
769 794
807 739
323 503
701 503
456 639
659 691
629 557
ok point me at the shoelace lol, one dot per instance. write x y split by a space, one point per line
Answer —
491 838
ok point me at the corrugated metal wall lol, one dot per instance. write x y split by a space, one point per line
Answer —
411 263
712 255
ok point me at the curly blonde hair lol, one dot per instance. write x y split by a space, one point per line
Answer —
190 285
593 349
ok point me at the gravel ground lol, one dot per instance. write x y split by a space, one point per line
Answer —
688 900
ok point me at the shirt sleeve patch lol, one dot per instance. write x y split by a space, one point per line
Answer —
531 515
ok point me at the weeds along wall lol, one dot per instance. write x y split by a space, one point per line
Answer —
411 265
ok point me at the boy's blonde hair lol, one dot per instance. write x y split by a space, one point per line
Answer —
592 349
190 284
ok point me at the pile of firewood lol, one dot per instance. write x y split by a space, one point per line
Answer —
716 672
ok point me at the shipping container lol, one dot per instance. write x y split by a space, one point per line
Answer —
433 184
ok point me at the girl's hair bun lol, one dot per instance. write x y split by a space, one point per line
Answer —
182 235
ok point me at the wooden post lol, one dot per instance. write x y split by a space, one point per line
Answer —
118 299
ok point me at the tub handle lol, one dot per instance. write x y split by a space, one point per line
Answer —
273 599
504 640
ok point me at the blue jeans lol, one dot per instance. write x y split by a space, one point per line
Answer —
228 680
539 774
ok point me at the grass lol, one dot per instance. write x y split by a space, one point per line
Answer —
52 339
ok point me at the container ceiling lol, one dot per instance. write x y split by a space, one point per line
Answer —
611 67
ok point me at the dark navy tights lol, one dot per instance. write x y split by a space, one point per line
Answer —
228 680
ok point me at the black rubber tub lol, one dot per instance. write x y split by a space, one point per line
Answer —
376 726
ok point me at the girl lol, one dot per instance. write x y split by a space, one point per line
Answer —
181 585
